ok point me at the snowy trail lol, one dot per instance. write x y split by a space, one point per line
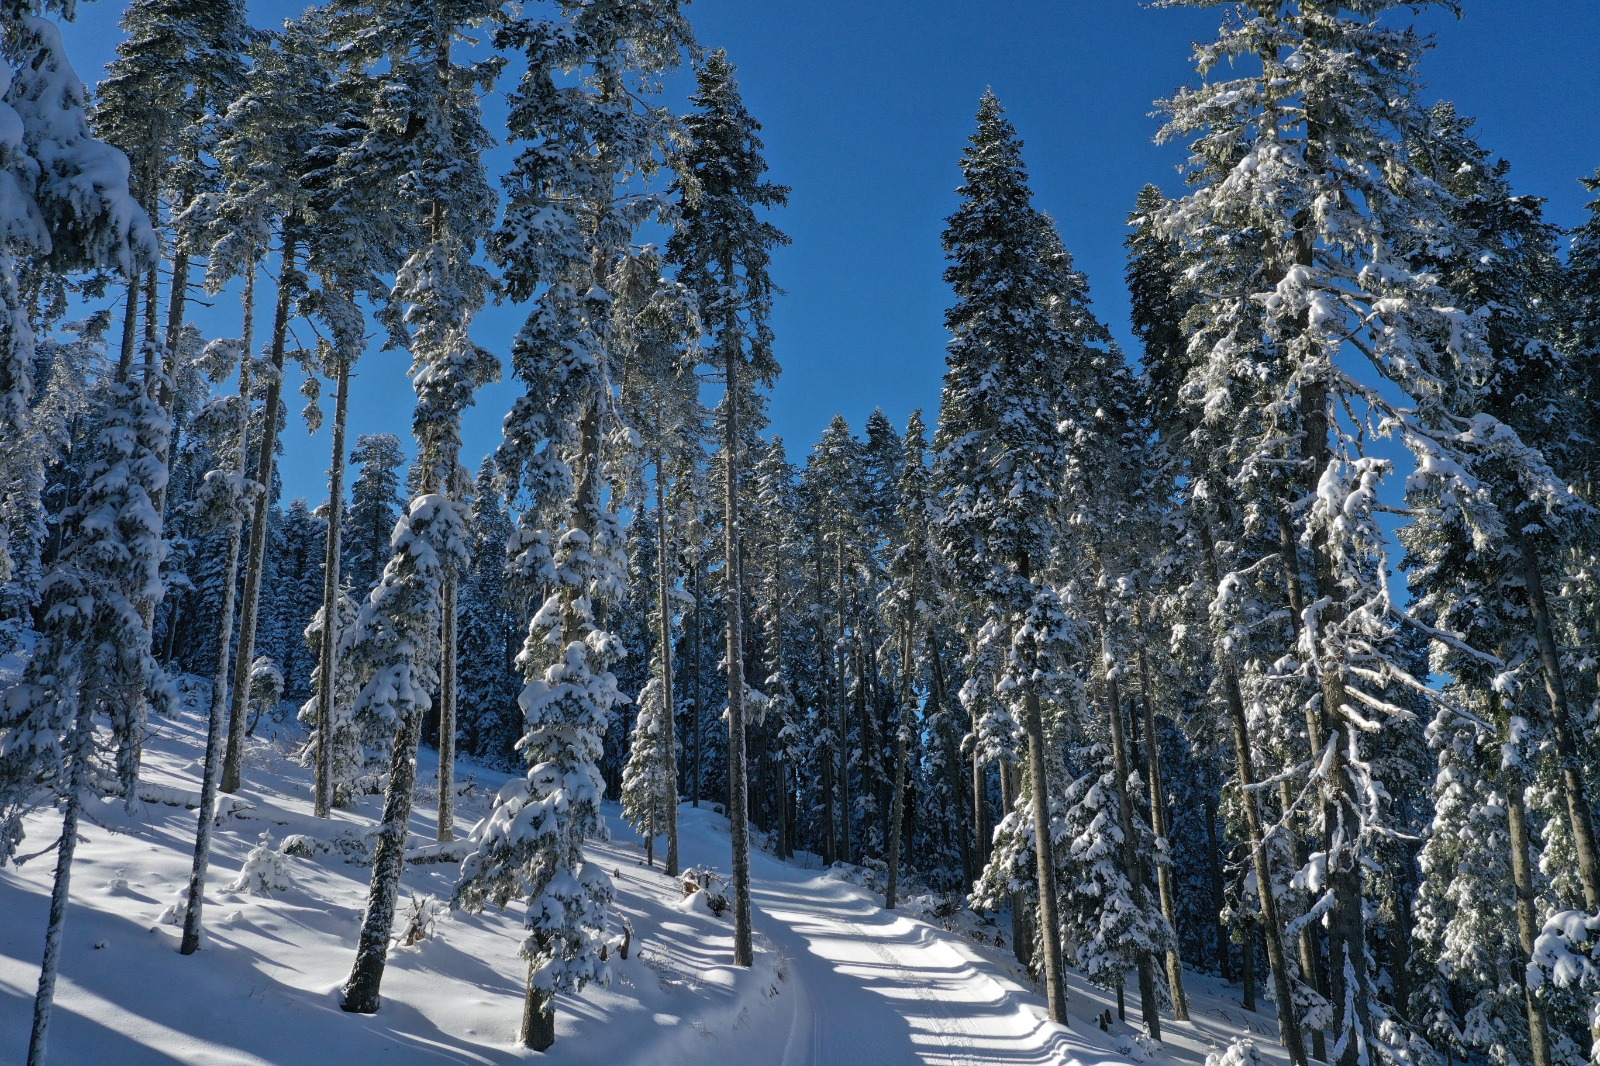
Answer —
875 987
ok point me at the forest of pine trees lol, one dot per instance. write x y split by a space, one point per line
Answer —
1268 650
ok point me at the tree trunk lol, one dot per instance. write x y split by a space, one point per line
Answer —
538 1018
266 457
360 992
328 645
219 683
664 640
902 738
1132 867
1580 810
1158 816
738 816
842 695
1272 929
1310 949
1527 891
447 707
698 736
77 782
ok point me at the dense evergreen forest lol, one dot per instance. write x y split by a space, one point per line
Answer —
1269 649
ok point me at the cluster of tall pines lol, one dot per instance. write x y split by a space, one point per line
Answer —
1268 651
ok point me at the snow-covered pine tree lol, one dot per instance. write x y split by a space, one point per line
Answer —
833 487
426 126
906 605
722 248
1000 456
654 325
647 790
1304 160
584 113
334 737
489 629
67 206
374 508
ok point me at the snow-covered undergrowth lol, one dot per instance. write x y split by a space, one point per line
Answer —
282 912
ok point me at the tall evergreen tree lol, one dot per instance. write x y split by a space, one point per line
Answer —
723 251
585 116
999 456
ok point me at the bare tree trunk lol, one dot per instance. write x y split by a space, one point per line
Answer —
698 736
738 815
447 708
1049 921
255 561
219 683
1158 816
846 853
1132 867
1580 810
664 640
77 782
328 645
901 756
1272 929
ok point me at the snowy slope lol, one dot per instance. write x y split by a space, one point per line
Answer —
837 980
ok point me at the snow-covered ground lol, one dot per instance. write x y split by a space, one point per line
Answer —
838 980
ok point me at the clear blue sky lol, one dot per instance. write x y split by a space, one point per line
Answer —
866 106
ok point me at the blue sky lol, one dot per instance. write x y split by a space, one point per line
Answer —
866 106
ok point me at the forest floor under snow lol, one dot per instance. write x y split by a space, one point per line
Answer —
837 981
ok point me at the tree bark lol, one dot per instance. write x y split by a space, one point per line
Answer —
328 645
1132 868
219 684
902 737
77 782
1580 810
1158 816
664 642
266 458
738 816
1272 929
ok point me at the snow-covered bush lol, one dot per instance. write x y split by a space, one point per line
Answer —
1241 1052
418 921
266 870
698 879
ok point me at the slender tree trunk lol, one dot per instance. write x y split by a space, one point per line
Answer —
130 329
982 832
1214 868
664 640
232 776
698 736
901 757
360 992
738 816
1272 929
447 708
1158 816
1310 949
219 683
1132 867
1049 923
328 645
842 694
77 782
1580 810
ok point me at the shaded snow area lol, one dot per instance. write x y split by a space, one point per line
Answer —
837 979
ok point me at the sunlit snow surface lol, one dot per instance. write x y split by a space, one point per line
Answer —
838 980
